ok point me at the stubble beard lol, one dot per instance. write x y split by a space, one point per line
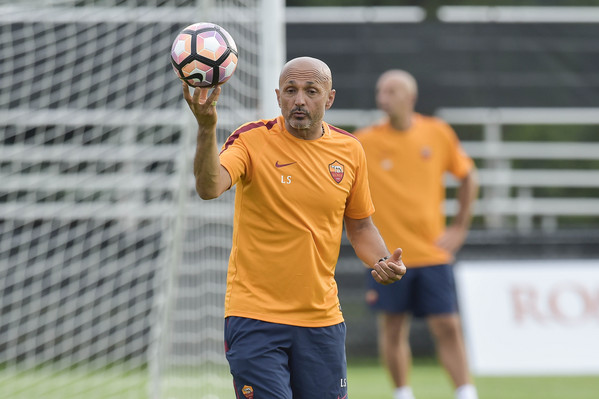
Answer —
304 124
301 125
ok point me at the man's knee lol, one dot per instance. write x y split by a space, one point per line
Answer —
445 327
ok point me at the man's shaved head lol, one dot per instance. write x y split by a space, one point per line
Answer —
396 94
402 78
302 67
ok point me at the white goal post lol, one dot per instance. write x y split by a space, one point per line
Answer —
112 270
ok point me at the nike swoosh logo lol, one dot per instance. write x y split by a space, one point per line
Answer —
280 165
342 397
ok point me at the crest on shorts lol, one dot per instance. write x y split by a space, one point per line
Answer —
336 171
248 391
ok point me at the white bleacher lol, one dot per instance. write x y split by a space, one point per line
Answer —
506 192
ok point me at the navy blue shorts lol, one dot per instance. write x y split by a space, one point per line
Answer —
278 361
422 291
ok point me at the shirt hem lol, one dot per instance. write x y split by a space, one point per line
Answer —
286 321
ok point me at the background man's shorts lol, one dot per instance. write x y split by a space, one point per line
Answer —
422 291
278 361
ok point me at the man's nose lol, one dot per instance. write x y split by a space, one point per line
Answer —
300 98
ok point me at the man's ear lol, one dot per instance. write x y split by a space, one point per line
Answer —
331 99
278 93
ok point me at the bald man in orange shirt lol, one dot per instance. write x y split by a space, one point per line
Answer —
408 155
298 181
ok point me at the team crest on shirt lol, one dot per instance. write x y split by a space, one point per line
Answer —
336 171
426 152
386 164
248 391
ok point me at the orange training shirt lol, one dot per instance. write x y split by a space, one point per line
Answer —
290 200
406 175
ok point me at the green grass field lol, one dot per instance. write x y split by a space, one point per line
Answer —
366 380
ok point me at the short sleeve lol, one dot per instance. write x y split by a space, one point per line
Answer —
459 162
234 156
359 203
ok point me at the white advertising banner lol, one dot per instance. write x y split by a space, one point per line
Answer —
530 317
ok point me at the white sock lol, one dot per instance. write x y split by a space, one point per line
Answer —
404 392
466 391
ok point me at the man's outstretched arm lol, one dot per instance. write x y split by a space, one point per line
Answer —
211 178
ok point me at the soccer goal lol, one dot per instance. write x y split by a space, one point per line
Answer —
112 270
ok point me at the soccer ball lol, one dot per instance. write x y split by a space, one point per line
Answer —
204 55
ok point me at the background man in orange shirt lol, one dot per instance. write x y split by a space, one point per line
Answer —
408 156
298 180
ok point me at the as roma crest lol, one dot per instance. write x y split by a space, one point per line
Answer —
426 152
336 171
248 391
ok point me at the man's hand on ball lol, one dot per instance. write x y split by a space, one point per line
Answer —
202 105
390 270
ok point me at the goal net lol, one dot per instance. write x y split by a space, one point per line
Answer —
112 270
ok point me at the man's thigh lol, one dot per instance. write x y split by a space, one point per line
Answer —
318 363
435 293
258 356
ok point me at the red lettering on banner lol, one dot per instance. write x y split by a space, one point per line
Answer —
562 315
525 303
566 304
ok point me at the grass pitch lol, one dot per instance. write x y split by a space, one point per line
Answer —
368 380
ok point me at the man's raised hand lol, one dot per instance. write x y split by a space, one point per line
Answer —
389 271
